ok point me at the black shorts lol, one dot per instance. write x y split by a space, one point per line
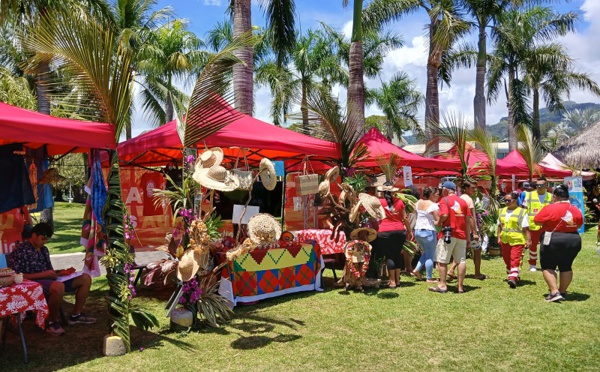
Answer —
389 244
561 251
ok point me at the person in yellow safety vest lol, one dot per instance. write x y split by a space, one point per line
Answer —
513 236
534 201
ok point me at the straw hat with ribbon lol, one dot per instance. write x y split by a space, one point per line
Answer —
264 229
324 188
372 205
188 265
210 158
372 233
216 178
266 170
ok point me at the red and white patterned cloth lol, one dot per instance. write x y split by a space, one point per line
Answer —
19 298
322 236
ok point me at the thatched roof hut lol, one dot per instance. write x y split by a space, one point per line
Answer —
582 151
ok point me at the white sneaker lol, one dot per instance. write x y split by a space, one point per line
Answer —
532 268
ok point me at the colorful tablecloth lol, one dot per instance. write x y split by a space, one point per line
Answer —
266 273
19 298
323 238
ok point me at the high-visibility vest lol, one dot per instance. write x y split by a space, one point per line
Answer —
534 205
512 232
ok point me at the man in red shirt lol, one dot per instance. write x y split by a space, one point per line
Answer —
454 213
560 242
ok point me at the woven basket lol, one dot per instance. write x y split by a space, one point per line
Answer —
243 172
5 281
308 182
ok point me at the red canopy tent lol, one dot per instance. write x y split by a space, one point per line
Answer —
162 146
61 136
514 163
381 148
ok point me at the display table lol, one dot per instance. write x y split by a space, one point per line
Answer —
322 236
267 273
19 298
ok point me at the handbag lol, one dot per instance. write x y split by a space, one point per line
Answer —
244 173
307 183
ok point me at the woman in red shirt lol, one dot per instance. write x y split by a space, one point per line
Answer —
560 242
392 232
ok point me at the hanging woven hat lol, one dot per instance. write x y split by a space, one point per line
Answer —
354 212
210 158
267 174
385 187
188 265
332 174
264 229
372 233
372 205
216 178
324 188
347 193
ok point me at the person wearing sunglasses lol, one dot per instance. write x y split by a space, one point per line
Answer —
534 202
32 258
513 236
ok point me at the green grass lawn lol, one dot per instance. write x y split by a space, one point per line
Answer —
67 228
489 328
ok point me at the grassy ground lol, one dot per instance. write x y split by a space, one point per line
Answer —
67 228
489 328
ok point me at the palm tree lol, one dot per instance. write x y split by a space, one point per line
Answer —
445 27
281 34
530 149
174 54
399 99
549 72
581 119
516 35
356 84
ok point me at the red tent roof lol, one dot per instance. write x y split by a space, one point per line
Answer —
379 146
162 145
18 125
476 159
514 163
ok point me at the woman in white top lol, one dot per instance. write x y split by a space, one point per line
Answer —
428 216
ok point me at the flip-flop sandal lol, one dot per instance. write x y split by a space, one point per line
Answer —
482 277
461 292
437 290
452 277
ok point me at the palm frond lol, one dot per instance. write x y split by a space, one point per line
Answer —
530 150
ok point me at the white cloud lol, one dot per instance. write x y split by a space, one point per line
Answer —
212 2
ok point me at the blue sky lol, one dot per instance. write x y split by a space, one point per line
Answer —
582 45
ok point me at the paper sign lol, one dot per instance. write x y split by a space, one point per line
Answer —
251 211
297 203
575 185
514 181
64 278
407 170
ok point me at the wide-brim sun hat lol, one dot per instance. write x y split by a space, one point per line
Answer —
210 158
266 170
264 229
347 193
216 178
372 233
372 205
332 174
387 188
188 265
354 212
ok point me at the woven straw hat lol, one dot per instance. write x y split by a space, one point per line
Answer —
387 188
324 188
267 174
264 229
347 193
372 205
216 178
188 265
332 174
354 212
210 157
372 233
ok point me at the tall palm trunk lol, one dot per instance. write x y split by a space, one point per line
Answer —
169 109
304 108
356 85
43 103
479 100
512 138
243 79
535 128
432 99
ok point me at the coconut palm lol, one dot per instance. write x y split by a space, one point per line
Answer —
455 130
282 35
399 99
518 32
446 26
581 119
549 73
530 149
